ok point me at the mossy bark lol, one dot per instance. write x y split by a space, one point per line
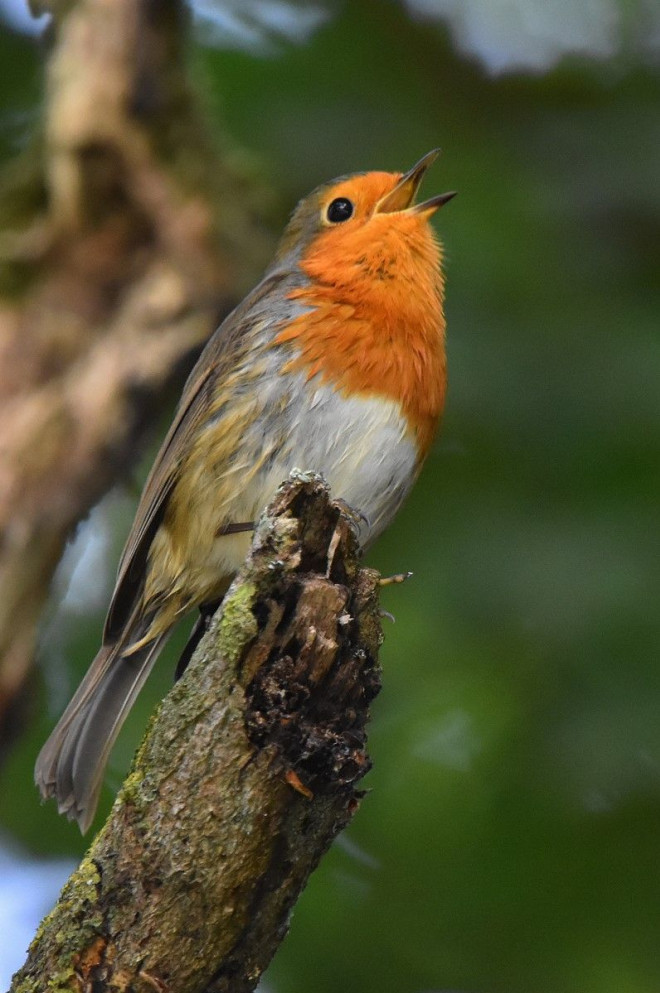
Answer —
125 237
247 773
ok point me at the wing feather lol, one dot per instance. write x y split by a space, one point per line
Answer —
219 357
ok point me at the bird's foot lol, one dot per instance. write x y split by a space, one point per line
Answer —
356 518
395 579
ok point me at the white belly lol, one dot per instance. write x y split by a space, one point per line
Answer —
360 446
362 449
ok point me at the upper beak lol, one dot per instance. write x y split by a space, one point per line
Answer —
403 194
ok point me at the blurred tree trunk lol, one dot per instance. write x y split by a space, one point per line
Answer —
247 773
123 234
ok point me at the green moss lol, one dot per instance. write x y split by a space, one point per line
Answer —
87 874
131 786
238 624
65 981
77 927
81 887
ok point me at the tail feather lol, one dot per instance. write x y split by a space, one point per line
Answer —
71 764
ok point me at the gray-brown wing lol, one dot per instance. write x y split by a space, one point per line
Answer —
217 360
149 514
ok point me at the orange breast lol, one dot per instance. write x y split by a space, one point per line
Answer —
376 324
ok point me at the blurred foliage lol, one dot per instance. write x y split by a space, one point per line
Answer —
509 840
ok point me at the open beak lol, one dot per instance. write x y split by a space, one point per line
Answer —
402 197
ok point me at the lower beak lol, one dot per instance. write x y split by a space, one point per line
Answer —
402 196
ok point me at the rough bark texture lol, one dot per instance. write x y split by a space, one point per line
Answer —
247 773
124 238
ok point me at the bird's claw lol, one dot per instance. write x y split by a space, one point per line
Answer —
355 518
293 779
396 578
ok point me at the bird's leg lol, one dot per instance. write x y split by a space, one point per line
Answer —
235 528
206 612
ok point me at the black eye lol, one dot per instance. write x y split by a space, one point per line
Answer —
340 210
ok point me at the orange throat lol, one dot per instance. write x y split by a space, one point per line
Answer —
376 324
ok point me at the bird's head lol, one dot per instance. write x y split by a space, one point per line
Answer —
367 223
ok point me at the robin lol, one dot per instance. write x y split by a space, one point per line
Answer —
335 362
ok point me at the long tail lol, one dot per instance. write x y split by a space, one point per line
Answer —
71 764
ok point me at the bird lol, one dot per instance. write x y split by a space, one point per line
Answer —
334 363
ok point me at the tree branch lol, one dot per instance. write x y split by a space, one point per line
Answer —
125 238
246 774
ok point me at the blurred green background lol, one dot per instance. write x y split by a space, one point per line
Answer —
510 842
